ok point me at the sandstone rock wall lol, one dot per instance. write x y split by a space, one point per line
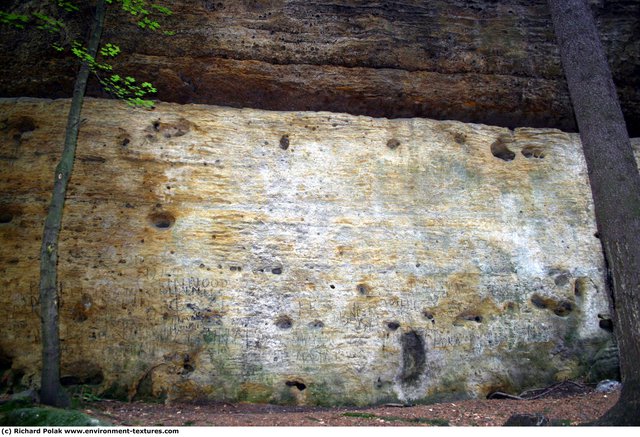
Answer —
469 60
312 258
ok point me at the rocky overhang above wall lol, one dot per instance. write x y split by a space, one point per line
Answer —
474 61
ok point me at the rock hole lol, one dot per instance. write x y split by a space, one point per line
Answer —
393 326
82 373
413 357
24 124
393 143
429 316
125 142
156 125
605 323
316 324
297 384
563 308
332 286
277 270
284 142
5 217
500 150
284 322
162 220
539 301
532 152
460 138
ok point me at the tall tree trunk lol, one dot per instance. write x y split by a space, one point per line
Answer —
615 185
51 391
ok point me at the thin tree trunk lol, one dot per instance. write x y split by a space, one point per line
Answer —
615 185
51 391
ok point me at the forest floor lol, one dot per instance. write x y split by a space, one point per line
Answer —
564 404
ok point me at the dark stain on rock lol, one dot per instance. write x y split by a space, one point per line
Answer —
414 357
284 142
363 289
90 158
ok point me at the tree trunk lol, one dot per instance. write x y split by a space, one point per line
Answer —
51 391
615 185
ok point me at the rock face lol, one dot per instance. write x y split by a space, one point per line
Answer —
473 60
300 257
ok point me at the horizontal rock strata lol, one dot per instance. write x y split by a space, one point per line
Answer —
474 61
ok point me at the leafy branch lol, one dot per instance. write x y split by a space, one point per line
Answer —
124 88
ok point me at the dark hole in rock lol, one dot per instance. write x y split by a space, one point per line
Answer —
460 138
284 322
317 324
561 280
156 125
162 220
580 287
500 150
363 289
187 368
82 373
413 357
5 217
393 325
563 308
539 301
284 142
332 286
277 270
125 142
297 384
469 315
393 143
606 324
24 124
532 152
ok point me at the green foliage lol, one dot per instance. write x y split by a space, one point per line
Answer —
110 50
16 20
67 6
124 88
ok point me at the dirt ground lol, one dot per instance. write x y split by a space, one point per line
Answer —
564 404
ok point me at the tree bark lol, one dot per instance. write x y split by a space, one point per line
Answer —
51 391
615 185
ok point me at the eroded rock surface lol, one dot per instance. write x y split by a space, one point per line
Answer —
473 60
369 260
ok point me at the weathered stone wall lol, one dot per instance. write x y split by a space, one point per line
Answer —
481 61
316 258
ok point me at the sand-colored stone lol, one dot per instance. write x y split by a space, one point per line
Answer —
314 258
